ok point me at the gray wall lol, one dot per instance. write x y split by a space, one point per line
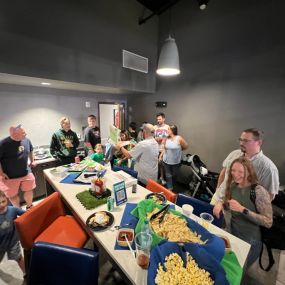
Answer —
232 60
40 109
78 41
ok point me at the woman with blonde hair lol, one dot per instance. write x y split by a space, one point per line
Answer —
247 215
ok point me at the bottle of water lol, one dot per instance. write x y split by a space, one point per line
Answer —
146 227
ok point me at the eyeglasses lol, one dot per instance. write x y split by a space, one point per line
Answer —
245 140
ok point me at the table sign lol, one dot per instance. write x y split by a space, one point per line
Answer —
119 189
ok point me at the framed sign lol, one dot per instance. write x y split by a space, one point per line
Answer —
120 193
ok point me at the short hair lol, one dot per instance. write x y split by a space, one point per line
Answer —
63 120
92 116
174 129
148 128
257 134
133 125
160 114
2 195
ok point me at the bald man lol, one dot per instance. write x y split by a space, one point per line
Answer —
145 154
16 160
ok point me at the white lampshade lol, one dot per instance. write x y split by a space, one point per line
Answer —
168 63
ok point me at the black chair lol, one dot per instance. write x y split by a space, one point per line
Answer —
53 264
199 207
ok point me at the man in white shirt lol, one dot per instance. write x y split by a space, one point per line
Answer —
145 154
267 173
160 135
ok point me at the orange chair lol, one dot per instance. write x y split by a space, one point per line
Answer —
48 222
157 188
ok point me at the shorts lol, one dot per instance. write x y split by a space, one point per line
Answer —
13 253
25 183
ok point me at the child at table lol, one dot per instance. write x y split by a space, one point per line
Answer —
98 154
9 242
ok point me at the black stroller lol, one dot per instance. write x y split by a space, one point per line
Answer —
203 182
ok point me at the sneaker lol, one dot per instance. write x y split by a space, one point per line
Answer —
162 181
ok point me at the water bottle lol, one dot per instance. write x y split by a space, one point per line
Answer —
146 227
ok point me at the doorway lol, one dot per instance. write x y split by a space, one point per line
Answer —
110 113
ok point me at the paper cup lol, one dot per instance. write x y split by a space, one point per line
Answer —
187 210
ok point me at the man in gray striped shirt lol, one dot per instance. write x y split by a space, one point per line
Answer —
267 173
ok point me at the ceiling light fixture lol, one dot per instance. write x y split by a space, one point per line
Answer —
45 83
203 4
168 62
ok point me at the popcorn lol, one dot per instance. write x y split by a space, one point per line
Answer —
177 274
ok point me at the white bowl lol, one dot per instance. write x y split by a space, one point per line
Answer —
121 240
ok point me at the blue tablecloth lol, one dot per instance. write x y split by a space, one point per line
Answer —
69 179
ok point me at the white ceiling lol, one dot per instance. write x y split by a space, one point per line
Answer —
57 84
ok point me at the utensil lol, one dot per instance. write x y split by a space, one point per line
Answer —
161 218
122 226
90 175
159 212
130 248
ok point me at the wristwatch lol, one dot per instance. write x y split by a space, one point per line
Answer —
245 211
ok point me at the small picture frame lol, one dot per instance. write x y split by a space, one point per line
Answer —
119 189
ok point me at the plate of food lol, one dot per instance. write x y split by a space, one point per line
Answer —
158 198
100 221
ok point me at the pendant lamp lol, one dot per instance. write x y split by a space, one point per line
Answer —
168 63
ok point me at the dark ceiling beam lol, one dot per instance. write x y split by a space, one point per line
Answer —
157 12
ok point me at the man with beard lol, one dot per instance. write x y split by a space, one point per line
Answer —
267 173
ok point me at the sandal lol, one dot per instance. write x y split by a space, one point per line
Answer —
29 207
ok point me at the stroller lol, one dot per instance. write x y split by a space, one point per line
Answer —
204 182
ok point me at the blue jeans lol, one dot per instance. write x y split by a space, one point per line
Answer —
254 252
170 173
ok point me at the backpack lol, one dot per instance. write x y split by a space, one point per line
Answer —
272 237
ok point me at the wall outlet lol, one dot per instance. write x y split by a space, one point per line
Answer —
87 104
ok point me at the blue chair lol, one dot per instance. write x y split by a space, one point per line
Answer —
199 207
126 169
57 264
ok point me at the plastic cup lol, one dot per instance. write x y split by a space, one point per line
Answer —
143 243
187 210
206 220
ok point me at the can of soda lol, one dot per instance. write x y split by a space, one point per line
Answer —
134 188
110 204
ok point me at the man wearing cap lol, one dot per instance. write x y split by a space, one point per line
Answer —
16 160
145 154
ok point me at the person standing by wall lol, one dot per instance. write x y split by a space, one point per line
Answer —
91 135
171 155
160 135
64 143
16 160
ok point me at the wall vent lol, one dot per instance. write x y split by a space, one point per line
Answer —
135 61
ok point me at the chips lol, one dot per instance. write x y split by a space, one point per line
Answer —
174 228
176 273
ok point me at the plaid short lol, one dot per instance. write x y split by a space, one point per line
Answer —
13 253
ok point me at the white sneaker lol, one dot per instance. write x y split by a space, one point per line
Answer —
162 181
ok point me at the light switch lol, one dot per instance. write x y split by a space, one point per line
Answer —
87 104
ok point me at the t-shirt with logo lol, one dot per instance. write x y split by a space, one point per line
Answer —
161 132
14 157
92 136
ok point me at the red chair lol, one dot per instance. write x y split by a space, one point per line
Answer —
157 188
48 222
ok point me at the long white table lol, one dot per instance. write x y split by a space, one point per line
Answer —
123 259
